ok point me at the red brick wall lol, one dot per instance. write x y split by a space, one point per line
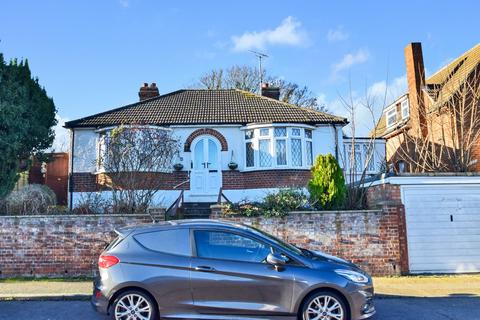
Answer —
265 179
232 179
57 245
374 239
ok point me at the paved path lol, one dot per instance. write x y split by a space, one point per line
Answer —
388 309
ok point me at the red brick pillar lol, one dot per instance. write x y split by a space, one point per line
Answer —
387 197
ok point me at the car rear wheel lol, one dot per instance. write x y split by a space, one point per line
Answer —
324 305
133 305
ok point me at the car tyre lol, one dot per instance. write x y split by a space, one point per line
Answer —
133 304
324 305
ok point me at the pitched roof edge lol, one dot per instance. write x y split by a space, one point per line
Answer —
72 123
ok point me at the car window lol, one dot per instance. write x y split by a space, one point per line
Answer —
173 241
229 246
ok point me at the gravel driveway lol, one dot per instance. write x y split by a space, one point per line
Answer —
460 308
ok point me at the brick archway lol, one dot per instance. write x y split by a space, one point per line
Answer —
199 132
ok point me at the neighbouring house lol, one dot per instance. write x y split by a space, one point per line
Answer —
232 141
435 125
52 173
367 155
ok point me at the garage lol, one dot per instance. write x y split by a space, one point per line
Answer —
443 223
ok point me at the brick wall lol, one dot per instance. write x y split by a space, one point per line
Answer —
63 245
231 179
373 239
234 179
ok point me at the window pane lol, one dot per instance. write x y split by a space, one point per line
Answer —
308 134
297 152
391 117
281 152
249 134
212 155
162 241
264 132
250 154
309 153
280 132
264 153
369 156
358 159
198 155
296 132
229 246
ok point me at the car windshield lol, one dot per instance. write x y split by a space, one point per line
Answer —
286 246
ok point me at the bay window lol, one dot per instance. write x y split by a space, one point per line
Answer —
278 147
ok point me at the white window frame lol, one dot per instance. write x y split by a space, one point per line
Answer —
405 107
392 112
273 143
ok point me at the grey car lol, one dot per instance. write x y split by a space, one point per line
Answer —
207 269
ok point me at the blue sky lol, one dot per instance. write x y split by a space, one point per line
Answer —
94 55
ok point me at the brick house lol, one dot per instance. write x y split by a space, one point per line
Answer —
273 143
436 122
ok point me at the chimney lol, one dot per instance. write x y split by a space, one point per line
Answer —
416 83
148 91
270 92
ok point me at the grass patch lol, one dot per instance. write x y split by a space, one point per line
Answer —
45 279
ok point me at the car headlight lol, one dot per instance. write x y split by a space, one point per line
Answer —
353 276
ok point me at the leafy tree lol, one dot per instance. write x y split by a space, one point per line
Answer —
327 186
27 115
248 78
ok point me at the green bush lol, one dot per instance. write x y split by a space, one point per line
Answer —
327 186
282 202
276 204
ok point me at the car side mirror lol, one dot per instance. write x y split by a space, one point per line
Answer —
276 259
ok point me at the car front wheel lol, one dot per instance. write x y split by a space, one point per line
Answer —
324 305
133 305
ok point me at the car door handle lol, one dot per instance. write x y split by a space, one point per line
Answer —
204 269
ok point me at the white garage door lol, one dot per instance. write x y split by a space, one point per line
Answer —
443 228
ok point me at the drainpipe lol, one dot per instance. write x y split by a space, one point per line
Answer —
70 179
335 133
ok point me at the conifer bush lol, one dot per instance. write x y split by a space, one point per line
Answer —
327 187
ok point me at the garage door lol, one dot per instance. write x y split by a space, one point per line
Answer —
443 228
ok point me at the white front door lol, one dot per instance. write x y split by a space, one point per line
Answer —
206 175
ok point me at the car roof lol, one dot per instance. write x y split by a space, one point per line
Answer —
124 231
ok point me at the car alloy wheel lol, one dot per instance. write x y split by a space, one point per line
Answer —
324 306
133 305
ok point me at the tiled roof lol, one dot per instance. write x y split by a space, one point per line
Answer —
206 107
445 82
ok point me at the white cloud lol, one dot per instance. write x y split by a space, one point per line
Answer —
337 34
289 32
350 60
124 3
62 137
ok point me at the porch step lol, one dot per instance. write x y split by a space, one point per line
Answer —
196 210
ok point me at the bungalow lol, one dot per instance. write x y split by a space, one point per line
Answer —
233 141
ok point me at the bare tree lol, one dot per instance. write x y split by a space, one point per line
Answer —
248 78
358 161
134 158
446 129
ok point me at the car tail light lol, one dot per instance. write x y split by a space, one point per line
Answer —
106 262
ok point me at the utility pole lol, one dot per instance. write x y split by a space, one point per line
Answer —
260 56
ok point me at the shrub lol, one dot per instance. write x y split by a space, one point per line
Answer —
92 203
31 199
243 208
280 203
277 204
327 186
